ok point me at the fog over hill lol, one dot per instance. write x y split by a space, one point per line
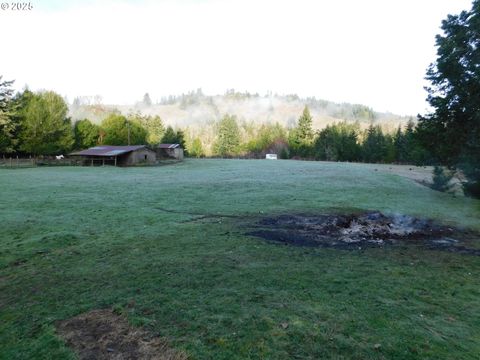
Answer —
195 110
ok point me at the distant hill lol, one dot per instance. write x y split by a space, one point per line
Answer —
196 110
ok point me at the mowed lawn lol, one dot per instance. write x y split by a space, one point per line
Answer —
74 239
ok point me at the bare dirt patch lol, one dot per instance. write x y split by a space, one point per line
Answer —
102 334
357 231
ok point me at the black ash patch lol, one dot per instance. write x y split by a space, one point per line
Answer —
357 231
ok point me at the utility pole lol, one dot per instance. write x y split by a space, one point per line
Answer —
128 127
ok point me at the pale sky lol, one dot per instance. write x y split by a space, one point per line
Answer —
372 52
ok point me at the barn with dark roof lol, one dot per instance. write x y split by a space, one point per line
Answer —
117 155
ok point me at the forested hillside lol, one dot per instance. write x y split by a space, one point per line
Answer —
197 110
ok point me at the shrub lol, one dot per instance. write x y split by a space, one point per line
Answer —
441 179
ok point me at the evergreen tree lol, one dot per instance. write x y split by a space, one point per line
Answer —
181 141
389 149
228 137
375 145
20 103
399 144
301 137
170 136
407 148
411 143
305 130
452 131
8 126
348 148
338 142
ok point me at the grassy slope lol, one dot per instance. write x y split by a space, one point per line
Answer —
76 239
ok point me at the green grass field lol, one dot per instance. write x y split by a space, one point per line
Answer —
74 239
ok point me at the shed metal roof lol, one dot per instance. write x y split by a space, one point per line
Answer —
168 146
108 150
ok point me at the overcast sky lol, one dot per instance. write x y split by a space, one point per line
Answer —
373 52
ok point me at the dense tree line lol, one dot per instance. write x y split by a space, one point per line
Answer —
33 123
452 131
341 141
38 124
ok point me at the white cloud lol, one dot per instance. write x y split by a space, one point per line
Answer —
373 52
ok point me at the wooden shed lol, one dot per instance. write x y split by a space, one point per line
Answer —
169 151
117 155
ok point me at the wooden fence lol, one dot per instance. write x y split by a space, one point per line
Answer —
17 162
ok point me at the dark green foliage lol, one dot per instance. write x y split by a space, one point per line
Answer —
390 149
304 128
174 137
181 141
341 142
301 137
118 130
285 153
170 136
404 143
20 102
452 131
471 168
338 142
7 123
377 147
472 189
400 146
46 130
408 148
441 179
228 137
86 134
